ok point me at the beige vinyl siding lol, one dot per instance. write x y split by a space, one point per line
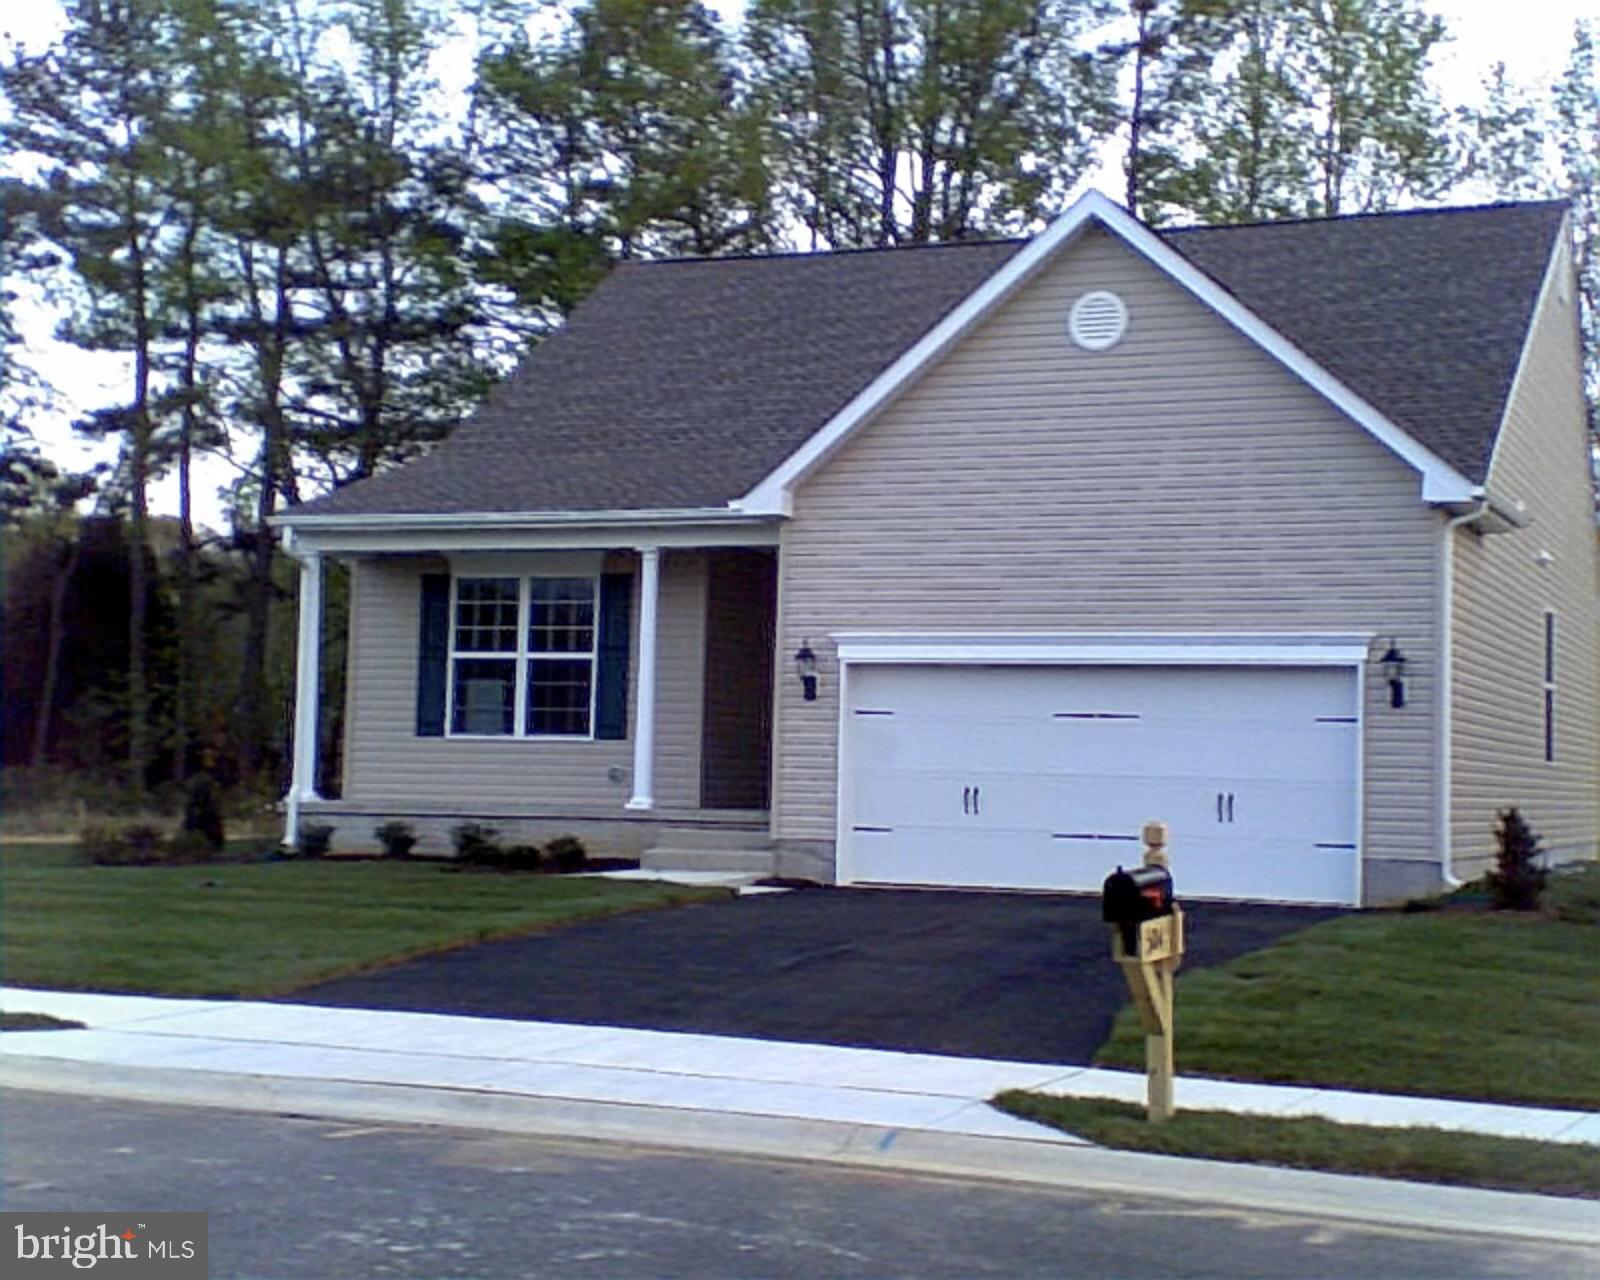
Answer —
1181 481
1501 597
389 767
352 673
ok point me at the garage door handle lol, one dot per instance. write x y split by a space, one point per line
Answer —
1230 806
974 800
1219 806
966 799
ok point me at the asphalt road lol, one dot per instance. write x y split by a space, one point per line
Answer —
299 1199
1025 977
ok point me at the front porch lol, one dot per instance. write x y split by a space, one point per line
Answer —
548 685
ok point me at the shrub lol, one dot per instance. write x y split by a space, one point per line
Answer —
202 812
1573 894
188 846
477 844
316 839
522 857
103 846
1517 878
397 838
567 853
145 843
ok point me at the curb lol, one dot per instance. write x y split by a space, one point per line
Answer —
1054 1163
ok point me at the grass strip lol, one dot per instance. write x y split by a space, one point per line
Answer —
1416 1154
264 929
1494 1006
36 1022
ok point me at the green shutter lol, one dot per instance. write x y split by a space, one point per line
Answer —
433 652
616 625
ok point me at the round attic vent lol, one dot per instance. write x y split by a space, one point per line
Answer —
1098 320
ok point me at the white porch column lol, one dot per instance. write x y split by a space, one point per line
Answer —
644 717
307 677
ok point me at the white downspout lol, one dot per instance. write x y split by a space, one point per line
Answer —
1444 715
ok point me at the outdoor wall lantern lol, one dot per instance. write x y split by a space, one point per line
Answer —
805 666
1394 670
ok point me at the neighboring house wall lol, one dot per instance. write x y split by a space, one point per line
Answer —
389 769
1181 481
1501 597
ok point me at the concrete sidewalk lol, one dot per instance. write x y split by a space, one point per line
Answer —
906 1111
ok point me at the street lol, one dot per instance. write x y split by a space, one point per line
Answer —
293 1197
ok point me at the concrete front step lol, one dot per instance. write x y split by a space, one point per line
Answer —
751 861
743 837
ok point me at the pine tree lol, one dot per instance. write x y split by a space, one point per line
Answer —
1518 878
87 112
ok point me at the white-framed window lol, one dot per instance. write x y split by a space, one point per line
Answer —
522 656
1549 687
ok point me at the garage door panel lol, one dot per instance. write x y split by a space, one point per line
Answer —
945 739
1322 812
1042 777
1011 799
1228 866
976 859
1178 749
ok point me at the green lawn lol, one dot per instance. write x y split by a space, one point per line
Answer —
1489 1006
1428 1155
265 928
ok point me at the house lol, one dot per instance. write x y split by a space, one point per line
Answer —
952 565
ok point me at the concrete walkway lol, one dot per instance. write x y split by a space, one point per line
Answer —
863 1106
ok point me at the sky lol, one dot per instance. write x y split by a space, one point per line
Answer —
1533 38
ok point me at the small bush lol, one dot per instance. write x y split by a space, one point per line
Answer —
189 846
1517 879
1573 894
146 844
316 839
202 812
522 857
397 838
567 853
104 846
477 844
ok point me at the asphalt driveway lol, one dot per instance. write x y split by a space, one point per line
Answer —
1019 976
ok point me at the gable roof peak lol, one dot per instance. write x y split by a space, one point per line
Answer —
712 383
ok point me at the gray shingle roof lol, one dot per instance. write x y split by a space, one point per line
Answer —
683 384
1423 313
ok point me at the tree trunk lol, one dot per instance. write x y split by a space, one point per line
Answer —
1136 123
182 693
271 337
139 442
52 653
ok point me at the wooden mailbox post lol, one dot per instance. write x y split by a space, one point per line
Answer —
1149 975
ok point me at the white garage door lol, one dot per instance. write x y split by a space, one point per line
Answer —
1041 777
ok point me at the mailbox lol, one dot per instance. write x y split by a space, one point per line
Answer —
1129 898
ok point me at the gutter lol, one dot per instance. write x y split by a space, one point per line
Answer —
394 523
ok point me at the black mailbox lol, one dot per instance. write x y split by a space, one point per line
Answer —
1129 898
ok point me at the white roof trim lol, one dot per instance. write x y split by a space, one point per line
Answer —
773 495
1148 648
1553 272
